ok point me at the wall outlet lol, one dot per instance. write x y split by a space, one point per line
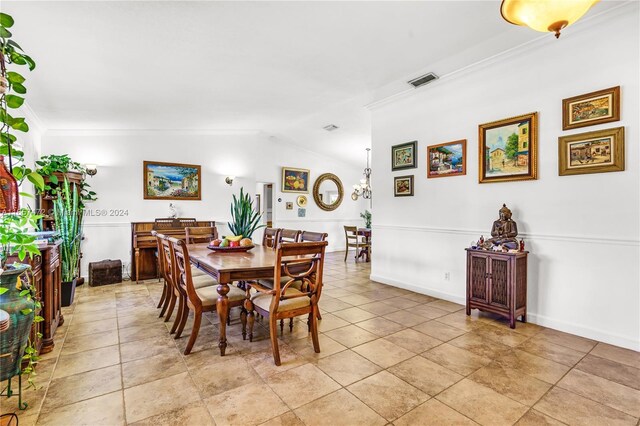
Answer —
447 276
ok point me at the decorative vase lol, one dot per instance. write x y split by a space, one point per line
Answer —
68 292
13 341
4 85
9 201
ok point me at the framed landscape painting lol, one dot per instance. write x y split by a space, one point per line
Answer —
171 181
508 149
295 180
592 152
403 186
592 108
447 159
404 156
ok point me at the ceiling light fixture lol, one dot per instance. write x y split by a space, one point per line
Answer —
363 189
229 180
330 127
91 169
545 15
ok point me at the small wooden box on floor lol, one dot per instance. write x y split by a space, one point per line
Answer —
105 272
497 283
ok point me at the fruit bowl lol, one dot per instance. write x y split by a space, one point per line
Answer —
230 249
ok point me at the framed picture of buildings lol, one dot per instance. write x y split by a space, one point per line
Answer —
404 156
592 152
403 186
295 180
508 149
171 181
447 159
592 108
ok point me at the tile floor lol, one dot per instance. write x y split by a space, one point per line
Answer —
388 356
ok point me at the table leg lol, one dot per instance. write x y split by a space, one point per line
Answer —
222 306
137 265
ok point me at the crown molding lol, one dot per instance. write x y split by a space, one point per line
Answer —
176 132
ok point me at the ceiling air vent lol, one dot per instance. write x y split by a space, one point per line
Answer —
330 127
422 80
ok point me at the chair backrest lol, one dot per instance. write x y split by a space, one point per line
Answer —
289 236
298 262
271 237
182 265
351 233
164 258
200 234
159 254
163 223
186 221
313 236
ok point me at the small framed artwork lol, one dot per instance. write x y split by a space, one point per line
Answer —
447 159
289 205
404 156
592 108
592 152
171 181
508 149
295 180
403 186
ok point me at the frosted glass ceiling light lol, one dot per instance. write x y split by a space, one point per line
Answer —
545 15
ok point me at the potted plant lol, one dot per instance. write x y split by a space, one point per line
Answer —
68 216
366 215
244 219
55 168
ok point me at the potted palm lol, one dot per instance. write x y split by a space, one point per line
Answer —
68 217
244 219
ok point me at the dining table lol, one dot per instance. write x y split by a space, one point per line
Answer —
365 251
226 268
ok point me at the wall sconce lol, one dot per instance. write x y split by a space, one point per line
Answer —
229 180
91 169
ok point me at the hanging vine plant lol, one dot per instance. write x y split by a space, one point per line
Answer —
13 91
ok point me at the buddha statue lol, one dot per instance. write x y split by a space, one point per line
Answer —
504 229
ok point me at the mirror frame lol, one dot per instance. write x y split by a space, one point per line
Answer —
316 191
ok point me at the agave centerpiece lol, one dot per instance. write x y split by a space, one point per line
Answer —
244 219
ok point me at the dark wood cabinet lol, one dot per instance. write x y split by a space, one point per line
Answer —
497 283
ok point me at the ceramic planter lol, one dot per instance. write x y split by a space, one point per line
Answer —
68 292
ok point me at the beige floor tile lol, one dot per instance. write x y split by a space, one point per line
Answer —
536 418
482 404
576 343
101 315
150 369
534 366
97 306
460 320
446 305
378 308
223 376
406 318
287 419
250 404
511 383
388 395
429 312
86 361
614 353
161 396
604 391
356 299
433 413
611 370
347 367
147 348
287 385
557 353
107 410
439 330
426 375
351 336
524 328
331 304
420 298
338 408
330 322
262 362
571 408
380 326
78 387
140 318
400 302
473 342
196 414
354 314
383 352
91 328
413 340
456 359
328 346
131 334
503 335
75 344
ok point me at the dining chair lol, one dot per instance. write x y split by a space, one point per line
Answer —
352 239
200 234
284 300
289 236
270 237
165 285
308 236
163 223
198 299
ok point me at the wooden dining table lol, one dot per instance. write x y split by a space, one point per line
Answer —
365 252
257 263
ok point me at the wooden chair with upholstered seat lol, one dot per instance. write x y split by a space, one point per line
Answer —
352 239
308 236
296 262
271 237
198 299
289 236
200 234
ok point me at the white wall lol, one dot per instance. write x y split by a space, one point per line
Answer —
251 157
582 231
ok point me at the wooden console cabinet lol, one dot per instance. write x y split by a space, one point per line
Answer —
497 283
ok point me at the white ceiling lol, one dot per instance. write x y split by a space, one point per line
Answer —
285 68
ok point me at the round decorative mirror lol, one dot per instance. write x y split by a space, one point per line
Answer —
328 191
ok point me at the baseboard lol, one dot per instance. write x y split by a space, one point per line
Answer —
542 320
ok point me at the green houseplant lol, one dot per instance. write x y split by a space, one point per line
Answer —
53 167
244 219
68 214
366 215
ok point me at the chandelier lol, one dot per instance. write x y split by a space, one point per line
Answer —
545 15
363 189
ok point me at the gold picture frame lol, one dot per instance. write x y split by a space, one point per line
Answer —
295 180
602 106
508 149
599 151
171 181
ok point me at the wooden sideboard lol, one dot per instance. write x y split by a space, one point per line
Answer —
47 278
497 283
144 264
